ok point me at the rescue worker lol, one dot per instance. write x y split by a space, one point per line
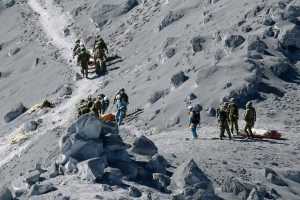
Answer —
101 42
83 107
120 110
194 120
250 118
233 116
96 107
77 45
124 99
104 105
100 58
84 58
223 121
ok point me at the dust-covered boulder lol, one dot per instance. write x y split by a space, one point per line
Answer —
71 165
170 18
64 90
200 191
173 122
87 124
211 112
19 187
66 32
289 35
205 73
196 43
70 143
9 3
269 32
254 44
113 175
293 175
233 41
277 66
161 181
293 9
268 22
92 149
52 170
39 189
114 142
129 169
178 79
77 76
168 53
157 164
255 195
237 187
156 96
32 177
15 112
92 169
5 193
276 180
134 192
188 173
30 126
144 146
246 29
119 155
191 96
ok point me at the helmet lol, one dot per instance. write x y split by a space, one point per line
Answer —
105 98
77 41
98 36
122 90
81 44
232 100
190 108
83 49
249 103
118 97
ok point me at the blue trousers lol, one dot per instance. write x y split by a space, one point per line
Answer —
119 116
102 110
193 131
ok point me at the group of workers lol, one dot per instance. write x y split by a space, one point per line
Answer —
84 56
228 115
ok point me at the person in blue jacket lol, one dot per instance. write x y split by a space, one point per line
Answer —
194 120
120 107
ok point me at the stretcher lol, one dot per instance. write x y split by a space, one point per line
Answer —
261 133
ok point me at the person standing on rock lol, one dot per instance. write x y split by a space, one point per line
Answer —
194 121
233 116
223 118
84 58
250 118
120 110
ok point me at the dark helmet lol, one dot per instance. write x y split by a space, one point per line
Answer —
225 104
77 41
83 49
98 36
122 90
249 103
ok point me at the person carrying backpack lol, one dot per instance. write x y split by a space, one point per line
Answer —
223 118
194 120
84 58
120 110
250 118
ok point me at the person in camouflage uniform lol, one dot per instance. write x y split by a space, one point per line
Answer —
77 45
101 42
223 118
83 107
100 58
84 58
96 107
233 116
250 118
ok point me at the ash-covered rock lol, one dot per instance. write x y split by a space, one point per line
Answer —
14 112
170 18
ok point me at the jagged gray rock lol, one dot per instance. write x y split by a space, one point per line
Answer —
293 175
276 180
233 41
70 143
200 191
269 32
278 66
39 189
120 155
62 159
33 177
152 67
178 79
171 17
113 175
211 112
237 187
196 44
91 149
109 127
268 22
19 187
289 34
77 77
15 112
156 96
92 169
161 181
52 170
88 124
255 195
14 51
134 192
246 29
167 54
71 165
188 173
204 74
129 169
65 90
157 164
144 146
5 193
192 96
254 44
30 126
9 3
173 122
293 9
114 142
66 31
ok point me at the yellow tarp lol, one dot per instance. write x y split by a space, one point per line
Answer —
16 139
40 105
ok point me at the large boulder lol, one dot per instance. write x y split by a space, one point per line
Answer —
15 112
200 191
170 18
289 34
32 177
233 41
9 3
70 143
114 142
129 169
92 149
5 193
276 180
178 78
120 155
293 9
161 181
168 53
134 192
188 173
19 187
293 175
113 175
237 187
157 164
205 73
88 124
92 169
39 189
144 146
196 43
254 44
255 195
30 126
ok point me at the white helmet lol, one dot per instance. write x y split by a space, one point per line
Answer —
105 98
81 44
190 108
118 97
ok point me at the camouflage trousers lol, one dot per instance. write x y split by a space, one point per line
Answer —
100 66
84 70
248 128
234 125
224 126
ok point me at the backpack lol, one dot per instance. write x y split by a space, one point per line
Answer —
223 114
196 118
